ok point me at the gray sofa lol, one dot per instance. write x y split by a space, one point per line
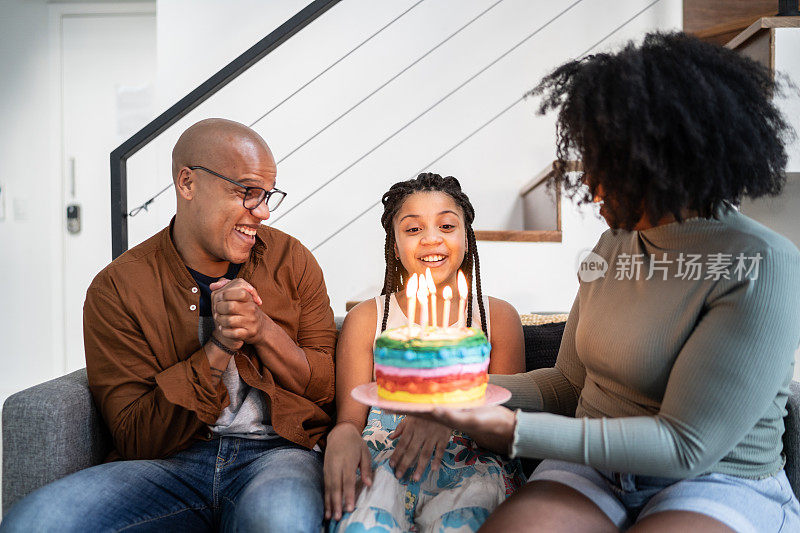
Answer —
54 429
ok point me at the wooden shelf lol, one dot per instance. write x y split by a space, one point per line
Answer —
518 236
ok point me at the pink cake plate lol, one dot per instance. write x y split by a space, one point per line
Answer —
368 394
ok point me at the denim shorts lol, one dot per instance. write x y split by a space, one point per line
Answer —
744 505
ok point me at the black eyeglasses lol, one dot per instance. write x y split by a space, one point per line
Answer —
253 196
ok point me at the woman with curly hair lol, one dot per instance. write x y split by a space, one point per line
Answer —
665 408
416 475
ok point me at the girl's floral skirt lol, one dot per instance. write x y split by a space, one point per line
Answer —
470 483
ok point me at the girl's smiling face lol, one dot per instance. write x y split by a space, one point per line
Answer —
430 233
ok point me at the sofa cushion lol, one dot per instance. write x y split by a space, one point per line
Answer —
542 341
541 344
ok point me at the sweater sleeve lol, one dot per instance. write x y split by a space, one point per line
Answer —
730 370
141 403
553 390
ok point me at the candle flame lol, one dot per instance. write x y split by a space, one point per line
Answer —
422 292
447 292
411 286
429 279
462 285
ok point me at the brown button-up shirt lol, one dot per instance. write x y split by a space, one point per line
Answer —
148 372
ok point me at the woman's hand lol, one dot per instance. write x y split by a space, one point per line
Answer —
418 439
490 427
345 452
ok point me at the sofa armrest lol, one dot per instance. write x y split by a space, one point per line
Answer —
49 431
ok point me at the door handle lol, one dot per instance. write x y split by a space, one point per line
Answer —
72 177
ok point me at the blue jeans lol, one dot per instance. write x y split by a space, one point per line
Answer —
230 484
744 505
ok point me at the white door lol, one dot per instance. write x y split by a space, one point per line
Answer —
108 72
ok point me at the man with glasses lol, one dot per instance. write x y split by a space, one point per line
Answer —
209 351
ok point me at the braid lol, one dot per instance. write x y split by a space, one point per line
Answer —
474 247
466 268
388 281
395 273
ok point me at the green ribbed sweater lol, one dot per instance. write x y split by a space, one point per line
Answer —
671 377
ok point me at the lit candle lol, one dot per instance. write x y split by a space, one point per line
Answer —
432 290
447 293
411 296
462 302
422 296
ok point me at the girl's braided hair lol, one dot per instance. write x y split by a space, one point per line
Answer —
396 274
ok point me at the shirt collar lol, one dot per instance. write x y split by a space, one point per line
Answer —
181 272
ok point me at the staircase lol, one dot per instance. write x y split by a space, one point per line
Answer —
371 93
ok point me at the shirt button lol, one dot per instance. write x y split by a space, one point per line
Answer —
192 307
194 290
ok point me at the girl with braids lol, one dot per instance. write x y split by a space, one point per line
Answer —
415 474
665 408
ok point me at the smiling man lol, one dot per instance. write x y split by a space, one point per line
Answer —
209 351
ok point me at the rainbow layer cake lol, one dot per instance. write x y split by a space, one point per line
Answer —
441 365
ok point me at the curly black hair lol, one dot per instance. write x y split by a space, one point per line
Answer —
672 124
396 274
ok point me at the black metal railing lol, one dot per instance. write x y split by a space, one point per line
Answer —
144 207
364 99
119 157
257 52
413 120
386 83
502 112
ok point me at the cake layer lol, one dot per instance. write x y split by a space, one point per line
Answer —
393 348
470 395
429 338
417 385
470 368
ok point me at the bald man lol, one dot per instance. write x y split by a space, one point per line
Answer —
209 352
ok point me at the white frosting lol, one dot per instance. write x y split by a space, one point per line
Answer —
429 334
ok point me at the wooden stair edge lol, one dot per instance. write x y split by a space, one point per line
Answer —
761 24
726 27
546 174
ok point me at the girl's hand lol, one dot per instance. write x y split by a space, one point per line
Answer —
418 439
490 427
346 451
